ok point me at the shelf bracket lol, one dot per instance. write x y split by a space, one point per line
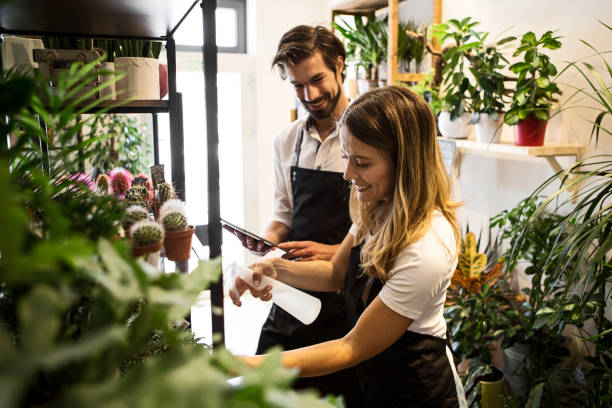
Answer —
552 161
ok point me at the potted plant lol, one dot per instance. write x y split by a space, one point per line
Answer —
138 60
428 90
138 195
366 45
458 89
147 238
476 316
164 193
535 90
133 214
486 64
177 239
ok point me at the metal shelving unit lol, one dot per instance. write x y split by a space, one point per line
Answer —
154 20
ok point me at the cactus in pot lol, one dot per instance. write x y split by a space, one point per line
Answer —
165 192
177 241
147 237
133 214
121 180
138 195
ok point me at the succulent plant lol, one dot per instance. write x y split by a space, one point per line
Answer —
121 181
138 195
146 232
134 214
103 184
165 192
174 221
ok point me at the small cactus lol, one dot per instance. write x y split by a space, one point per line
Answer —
138 195
121 181
165 192
103 184
146 232
134 214
174 221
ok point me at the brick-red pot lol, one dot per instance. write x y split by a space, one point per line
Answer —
178 244
530 132
138 250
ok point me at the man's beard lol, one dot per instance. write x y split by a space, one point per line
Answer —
332 102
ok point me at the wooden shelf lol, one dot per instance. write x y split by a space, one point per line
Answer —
508 147
136 106
550 151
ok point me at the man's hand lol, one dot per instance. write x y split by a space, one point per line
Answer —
308 251
257 247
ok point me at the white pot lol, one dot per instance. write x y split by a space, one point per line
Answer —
459 128
110 89
488 127
141 80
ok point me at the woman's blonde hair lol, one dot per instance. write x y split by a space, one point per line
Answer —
397 121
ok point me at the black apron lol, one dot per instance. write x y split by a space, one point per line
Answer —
413 372
320 214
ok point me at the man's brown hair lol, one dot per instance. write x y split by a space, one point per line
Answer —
302 42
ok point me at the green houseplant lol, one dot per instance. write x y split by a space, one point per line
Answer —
486 65
366 45
535 89
476 316
458 88
178 232
70 333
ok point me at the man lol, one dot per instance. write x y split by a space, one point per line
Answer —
311 215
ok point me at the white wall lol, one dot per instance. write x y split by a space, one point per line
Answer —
489 184
274 97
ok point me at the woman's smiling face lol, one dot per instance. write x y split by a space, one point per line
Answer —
369 169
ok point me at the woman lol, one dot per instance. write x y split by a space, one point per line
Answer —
395 263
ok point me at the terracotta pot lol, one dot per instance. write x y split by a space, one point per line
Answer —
530 132
145 249
178 244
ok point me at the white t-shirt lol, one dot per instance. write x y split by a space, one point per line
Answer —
313 155
418 281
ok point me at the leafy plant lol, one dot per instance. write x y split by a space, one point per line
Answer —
428 91
459 88
110 48
69 331
366 43
486 65
535 91
126 144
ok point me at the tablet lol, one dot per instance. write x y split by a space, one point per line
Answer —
249 233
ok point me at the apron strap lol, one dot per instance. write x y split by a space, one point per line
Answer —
298 148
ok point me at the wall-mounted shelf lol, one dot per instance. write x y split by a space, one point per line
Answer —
135 106
364 7
550 151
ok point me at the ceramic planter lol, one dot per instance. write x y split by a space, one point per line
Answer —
491 389
111 88
530 132
151 252
488 127
459 128
178 244
141 80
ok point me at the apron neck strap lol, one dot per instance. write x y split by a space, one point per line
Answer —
298 147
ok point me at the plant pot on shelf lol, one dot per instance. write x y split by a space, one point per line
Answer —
163 80
530 132
110 89
488 127
178 244
141 80
459 128
365 85
151 252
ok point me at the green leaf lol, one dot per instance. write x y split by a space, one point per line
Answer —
542 82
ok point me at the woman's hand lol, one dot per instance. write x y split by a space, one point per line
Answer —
259 270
